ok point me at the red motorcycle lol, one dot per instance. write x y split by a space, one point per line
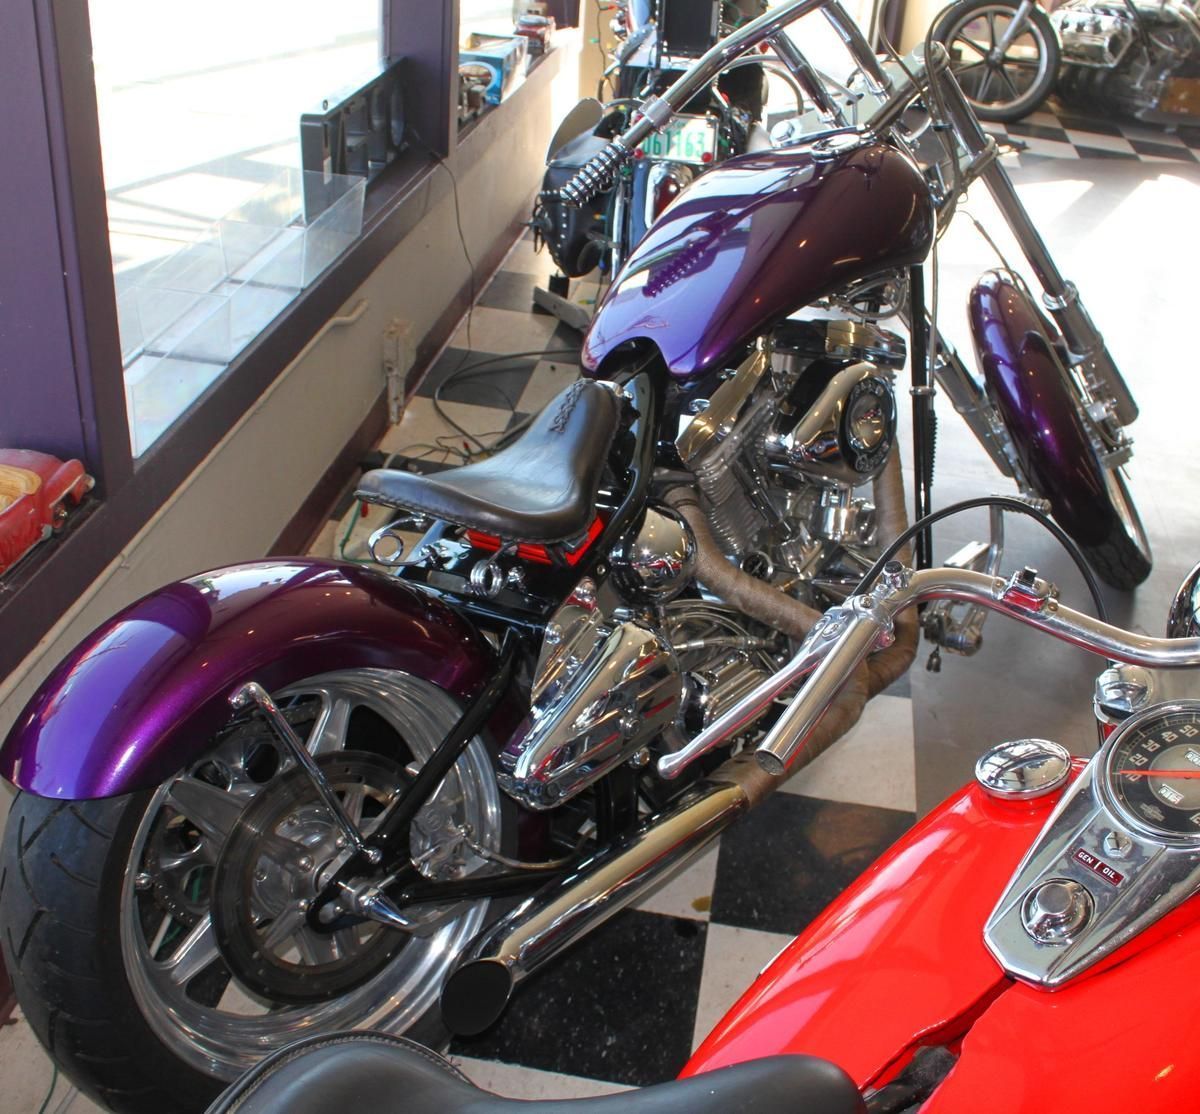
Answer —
1007 954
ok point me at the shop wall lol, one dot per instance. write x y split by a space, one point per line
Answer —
238 501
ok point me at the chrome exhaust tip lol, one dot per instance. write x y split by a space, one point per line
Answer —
565 910
475 995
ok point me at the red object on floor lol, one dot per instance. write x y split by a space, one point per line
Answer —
36 492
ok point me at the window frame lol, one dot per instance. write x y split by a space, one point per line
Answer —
67 348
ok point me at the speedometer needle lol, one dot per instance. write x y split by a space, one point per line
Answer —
1160 773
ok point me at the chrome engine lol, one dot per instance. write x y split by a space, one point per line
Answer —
776 451
779 448
1142 59
606 683
609 683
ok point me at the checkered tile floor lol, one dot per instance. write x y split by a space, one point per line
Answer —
1064 132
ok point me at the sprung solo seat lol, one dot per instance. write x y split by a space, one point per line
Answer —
542 488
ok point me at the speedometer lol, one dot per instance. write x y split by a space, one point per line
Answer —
1153 771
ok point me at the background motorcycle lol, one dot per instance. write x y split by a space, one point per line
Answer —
1050 893
188 886
721 121
1005 55
1137 59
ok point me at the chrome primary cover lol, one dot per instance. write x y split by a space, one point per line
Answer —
601 694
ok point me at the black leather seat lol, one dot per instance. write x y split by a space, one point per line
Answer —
542 488
373 1072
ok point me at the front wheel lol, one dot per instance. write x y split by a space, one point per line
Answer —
1005 71
158 942
1123 558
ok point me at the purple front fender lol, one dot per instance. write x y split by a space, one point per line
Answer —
140 697
1022 368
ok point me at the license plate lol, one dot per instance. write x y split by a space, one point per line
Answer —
684 139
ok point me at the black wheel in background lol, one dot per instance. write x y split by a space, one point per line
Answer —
1001 87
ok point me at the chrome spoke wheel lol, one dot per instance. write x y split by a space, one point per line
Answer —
371 729
1005 70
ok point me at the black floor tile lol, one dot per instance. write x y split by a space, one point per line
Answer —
1190 134
620 1006
1164 150
419 466
1088 124
1102 153
509 290
1036 131
464 376
566 337
781 865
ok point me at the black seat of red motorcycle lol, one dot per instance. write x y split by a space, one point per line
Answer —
390 1075
542 488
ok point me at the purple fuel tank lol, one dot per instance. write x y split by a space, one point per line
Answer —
757 238
140 697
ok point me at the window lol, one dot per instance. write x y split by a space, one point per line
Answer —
488 17
199 113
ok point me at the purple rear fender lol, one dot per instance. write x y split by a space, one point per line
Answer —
755 239
140 697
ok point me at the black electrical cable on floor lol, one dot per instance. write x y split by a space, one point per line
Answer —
1005 503
475 370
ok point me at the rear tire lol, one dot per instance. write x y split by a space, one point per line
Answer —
1013 86
104 903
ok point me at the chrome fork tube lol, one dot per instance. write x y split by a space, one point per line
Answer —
1060 296
1015 26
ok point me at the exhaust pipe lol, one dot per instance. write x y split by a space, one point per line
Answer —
559 914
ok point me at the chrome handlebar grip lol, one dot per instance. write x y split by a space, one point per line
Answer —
596 175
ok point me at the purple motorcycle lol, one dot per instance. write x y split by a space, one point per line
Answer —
296 796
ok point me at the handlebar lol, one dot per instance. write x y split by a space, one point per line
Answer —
844 636
598 172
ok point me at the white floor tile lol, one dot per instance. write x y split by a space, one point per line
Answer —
1048 147
504 331
1101 142
688 894
26 1074
733 959
550 377
515 1082
872 764
422 425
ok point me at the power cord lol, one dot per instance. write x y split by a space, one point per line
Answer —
50 1093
